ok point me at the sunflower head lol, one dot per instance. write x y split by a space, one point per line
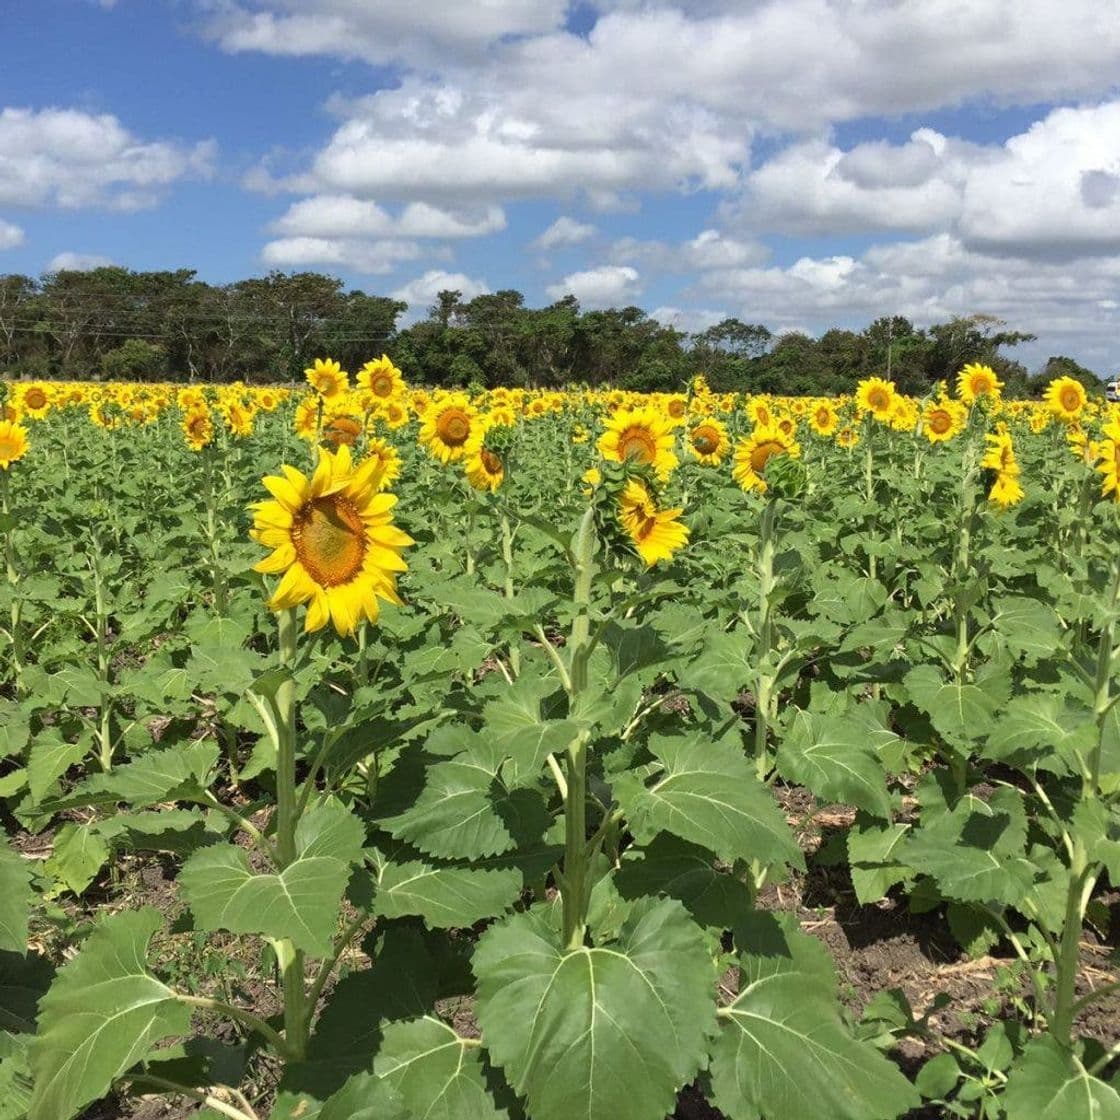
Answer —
943 419
753 453
876 397
13 443
333 539
485 455
643 436
448 425
381 379
389 461
198 428
656 534
975 381
1066 398
327 378
708 442
823 418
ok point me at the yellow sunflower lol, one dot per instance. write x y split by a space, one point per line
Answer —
327 378
447 425
708 441
198 428
394 413
823 418
484 467
13 443
847 437
341 429
238 418
656 534
1066 398
35 400
676 409
388 457
976 380
639 435
753 453
381 379
758 410
876 396
943 419
1000 457
333 538
307 418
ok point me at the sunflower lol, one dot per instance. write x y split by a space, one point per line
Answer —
381 379
656 534
708 442
333 538
847 437
35 400
327 378
753 453
388 457
787 425
759 412
307 418
640 435
340 429
238 418
943 419
905 414
1066 398
876 396
484 467
823 418
13 443
676 409
447 426
1000 457
1039 420
975 381
198 428
394 413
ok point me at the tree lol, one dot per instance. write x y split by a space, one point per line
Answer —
135 360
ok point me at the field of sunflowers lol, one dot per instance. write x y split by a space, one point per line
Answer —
374 752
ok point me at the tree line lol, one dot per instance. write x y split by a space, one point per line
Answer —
117 324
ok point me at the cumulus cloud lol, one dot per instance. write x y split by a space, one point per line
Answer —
346 216
564 231
371 257
421 292
78 262
605 286
70 158
710 249
11 235
690 320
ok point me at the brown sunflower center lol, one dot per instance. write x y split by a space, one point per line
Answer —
940 422
705 439
823 417
199 426
342 430
879 400
676 409
637 443
9 448
981 386
329 539
764 452
453 427
490 462
1070 398
36 398
381 385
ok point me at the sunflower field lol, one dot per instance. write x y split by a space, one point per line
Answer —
371 752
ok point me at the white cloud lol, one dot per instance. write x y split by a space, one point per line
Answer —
709 249
421 292
384 31
564 231
691 320
70 158
78 262
11 235
1053 190
346 216
372 257
1073 306
605 286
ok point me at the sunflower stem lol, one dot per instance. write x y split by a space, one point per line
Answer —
16 635
507 556
575 893
104 723
765 683
1103 692
288 958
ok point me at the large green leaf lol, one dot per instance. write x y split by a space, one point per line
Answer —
784 1052
363 1097
50 757
102 1015
79 854
301 903
604 1033
835 759
437 1073
465 812
723 668
15 899
961 713
977 851
1048 1085
1028 626
707 792
445 897
1042 730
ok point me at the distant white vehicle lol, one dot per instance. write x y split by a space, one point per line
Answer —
1112 390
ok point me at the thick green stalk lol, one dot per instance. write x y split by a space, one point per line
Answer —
764 683
507 556
869 490
289 959
1103 701
13 579
104 727
961 559
1082 878
575 893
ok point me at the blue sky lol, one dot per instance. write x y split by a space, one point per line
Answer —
802 163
